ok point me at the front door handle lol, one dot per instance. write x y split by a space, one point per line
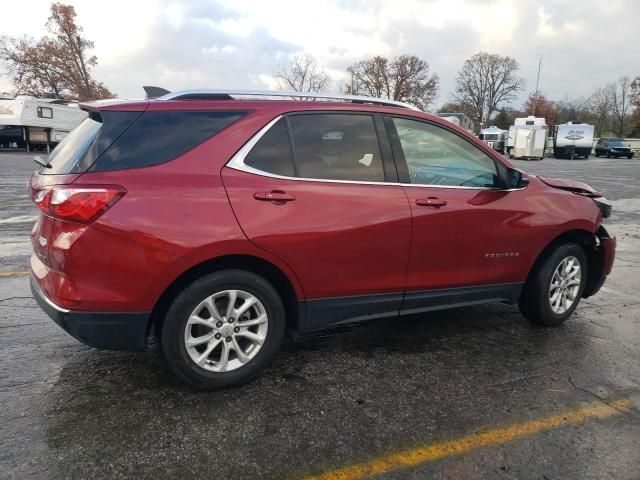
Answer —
275 196
434 202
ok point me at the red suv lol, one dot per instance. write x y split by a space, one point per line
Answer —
210 225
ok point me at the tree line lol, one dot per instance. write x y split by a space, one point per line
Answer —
486 86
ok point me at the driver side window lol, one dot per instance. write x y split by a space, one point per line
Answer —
436 156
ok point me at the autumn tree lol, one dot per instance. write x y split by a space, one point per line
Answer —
302 74
406 78
486 82
59 63
539 106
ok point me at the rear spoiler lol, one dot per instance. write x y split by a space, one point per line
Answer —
154 92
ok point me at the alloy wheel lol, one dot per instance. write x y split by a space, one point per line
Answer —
565 285
226 330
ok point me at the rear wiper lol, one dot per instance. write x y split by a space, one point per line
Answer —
40 161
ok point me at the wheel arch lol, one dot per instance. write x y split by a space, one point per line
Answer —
295 316
589 242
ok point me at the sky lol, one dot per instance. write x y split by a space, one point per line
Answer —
242 43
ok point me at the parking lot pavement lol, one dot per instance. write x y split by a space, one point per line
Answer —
469 393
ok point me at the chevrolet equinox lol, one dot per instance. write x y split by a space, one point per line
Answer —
211 223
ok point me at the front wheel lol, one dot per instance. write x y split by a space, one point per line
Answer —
223 329
555 287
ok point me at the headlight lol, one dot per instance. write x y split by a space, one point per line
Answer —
604 205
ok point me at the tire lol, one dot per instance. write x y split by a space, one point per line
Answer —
597 155
629 157
536 299
213 373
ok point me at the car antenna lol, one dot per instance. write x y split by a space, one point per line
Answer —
42 162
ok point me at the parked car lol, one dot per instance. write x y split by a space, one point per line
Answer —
613 147
210 225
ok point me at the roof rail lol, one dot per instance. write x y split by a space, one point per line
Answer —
221 94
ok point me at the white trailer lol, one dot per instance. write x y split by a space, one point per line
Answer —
530 142
493 137
527 138
571 140
36 123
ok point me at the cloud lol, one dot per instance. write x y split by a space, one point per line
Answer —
241 43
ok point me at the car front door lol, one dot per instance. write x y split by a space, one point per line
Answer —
314 191
468 232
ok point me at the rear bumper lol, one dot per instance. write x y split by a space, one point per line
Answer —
105 330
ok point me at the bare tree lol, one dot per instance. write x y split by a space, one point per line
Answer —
621 96
486 82
302 74
405 78
59 63
600 105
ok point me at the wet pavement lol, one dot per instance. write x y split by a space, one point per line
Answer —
339 397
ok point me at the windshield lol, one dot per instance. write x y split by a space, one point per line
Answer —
617 143
72 148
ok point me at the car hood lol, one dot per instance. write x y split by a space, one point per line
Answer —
572 186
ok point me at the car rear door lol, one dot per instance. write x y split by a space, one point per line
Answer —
467 232
311 188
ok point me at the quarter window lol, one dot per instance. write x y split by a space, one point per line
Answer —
336 147
272 153
45 112
436 156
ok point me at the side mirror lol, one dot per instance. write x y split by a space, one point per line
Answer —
516 179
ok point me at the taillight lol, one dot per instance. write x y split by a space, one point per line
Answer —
81 204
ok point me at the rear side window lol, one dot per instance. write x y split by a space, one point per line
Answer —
272 153
336 147
74 147
157 137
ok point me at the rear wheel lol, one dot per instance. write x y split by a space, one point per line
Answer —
555 287
223 329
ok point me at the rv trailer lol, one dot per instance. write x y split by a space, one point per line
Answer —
511 137
459 119
571 140
530 142
494 137
36 123
528 138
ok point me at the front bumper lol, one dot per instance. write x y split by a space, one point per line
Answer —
604 266
105 330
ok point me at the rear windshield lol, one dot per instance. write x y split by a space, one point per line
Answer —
120 140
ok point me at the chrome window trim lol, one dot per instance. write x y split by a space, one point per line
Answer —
237 163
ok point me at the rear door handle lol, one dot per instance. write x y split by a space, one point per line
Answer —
275 196
434 202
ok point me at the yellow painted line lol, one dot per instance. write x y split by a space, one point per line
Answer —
435 451
14 274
